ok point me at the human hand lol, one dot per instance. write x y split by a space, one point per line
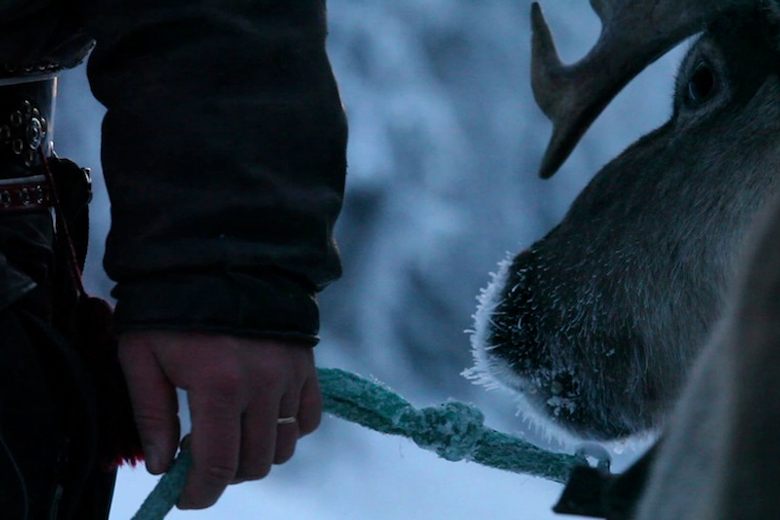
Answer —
237 389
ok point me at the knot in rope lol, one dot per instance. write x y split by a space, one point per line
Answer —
454 430
451 429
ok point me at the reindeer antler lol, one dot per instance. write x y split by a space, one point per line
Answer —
634 34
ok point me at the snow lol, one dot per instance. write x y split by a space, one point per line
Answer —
445 140
380 478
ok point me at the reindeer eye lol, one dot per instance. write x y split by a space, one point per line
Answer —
702 85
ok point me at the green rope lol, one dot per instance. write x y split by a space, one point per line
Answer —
452 430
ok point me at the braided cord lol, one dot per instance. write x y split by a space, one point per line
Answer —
453 430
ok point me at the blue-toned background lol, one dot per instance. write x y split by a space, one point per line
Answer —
444 143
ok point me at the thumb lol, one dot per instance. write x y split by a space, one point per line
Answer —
153 396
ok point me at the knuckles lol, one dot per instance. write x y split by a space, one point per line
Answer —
224 385
309 422
218 474
254 474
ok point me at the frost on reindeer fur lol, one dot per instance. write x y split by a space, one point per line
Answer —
487 370
492 372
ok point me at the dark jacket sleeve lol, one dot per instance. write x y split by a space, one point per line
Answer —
224 156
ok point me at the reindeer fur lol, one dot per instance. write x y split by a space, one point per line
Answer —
637 293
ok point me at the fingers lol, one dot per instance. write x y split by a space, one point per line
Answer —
258 439
216 438
287 433
237 388
310 408
155 405
265 441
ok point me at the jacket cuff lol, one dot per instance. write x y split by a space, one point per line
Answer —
269 306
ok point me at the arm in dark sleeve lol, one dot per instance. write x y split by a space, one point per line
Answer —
224 155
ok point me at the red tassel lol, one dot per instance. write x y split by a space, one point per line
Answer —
118 439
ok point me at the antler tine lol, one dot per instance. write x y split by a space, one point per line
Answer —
634 34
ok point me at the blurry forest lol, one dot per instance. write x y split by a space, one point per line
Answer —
445 140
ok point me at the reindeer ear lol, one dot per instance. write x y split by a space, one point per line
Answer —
634 34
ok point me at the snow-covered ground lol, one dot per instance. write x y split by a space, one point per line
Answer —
352 474
444 143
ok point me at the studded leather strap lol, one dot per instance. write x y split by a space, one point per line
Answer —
26 110
25 194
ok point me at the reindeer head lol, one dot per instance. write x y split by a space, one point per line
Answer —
596 324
